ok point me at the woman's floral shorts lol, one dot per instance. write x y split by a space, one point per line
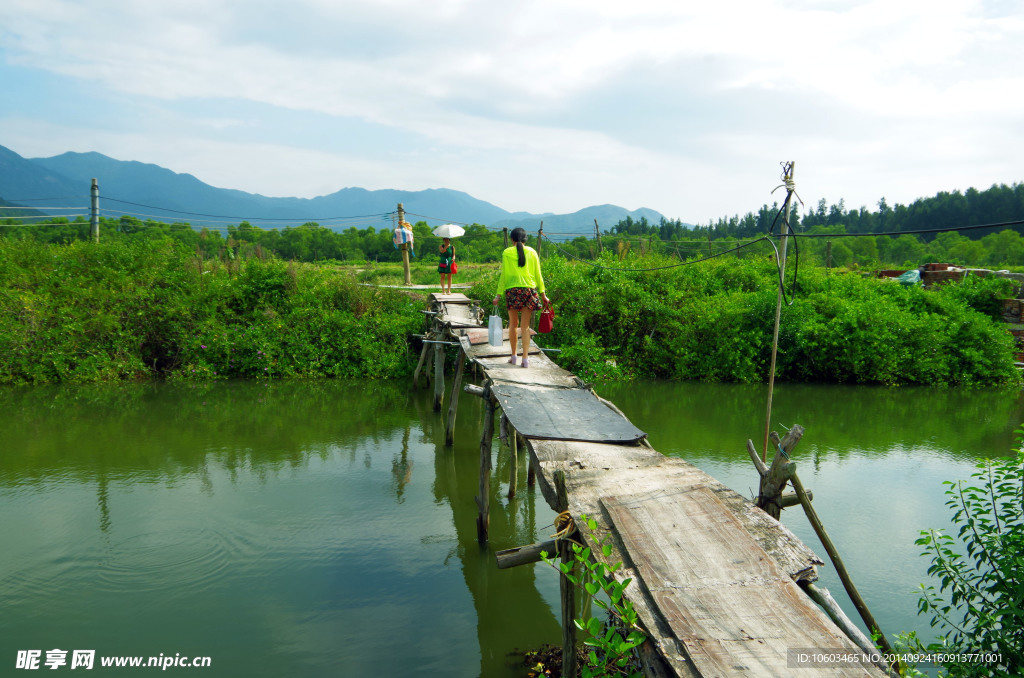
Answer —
518 298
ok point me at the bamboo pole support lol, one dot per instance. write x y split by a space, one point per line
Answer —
453 398
778 306
438 376
837 561
824 599
483 499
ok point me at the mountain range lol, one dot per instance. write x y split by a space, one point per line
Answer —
129 187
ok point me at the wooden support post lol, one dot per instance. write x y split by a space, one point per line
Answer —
428 369
597 234
438 376
503 429
453 399
483 499
504 232
540 237
419 365
833 554
566 588
513 472
94 210
774 480
524 555
531 474
823 598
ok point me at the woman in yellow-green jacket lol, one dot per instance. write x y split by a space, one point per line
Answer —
520 280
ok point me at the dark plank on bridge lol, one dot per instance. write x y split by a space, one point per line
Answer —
726 600
564 414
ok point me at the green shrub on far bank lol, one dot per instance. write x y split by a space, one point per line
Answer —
713 321
124 310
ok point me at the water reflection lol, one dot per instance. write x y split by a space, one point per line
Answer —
284 529
319 528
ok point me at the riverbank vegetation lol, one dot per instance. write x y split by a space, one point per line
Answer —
127 310
137 308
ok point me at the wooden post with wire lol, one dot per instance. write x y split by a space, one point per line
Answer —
94 210
540 237
504 232
405 246
787 177
597 234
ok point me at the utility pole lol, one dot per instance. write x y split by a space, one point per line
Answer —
94 210
405 246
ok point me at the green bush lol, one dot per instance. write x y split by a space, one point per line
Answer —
713 321
134 309
979 602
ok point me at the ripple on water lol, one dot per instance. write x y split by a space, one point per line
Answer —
187 561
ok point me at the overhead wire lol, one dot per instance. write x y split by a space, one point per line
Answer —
226 216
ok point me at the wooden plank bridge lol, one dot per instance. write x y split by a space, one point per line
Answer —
720 587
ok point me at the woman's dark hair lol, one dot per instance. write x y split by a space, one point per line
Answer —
519 237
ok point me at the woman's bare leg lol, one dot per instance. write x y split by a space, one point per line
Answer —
513 326
527 316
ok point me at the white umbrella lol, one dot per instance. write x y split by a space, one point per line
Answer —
449 231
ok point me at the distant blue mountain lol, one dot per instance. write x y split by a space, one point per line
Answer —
161 193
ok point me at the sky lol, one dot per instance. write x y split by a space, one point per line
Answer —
687 108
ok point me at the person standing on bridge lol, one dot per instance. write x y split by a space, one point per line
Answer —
520 280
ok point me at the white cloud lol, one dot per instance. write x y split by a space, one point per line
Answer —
553 105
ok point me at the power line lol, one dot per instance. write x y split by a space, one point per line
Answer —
916 232
227 216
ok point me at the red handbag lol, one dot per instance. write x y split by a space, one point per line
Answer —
454 268
547 319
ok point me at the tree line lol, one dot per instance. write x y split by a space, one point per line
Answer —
309 242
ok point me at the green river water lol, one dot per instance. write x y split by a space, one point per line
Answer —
323 528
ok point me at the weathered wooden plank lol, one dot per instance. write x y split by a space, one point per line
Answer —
479 335
594 470
562 414
455 298
734 610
